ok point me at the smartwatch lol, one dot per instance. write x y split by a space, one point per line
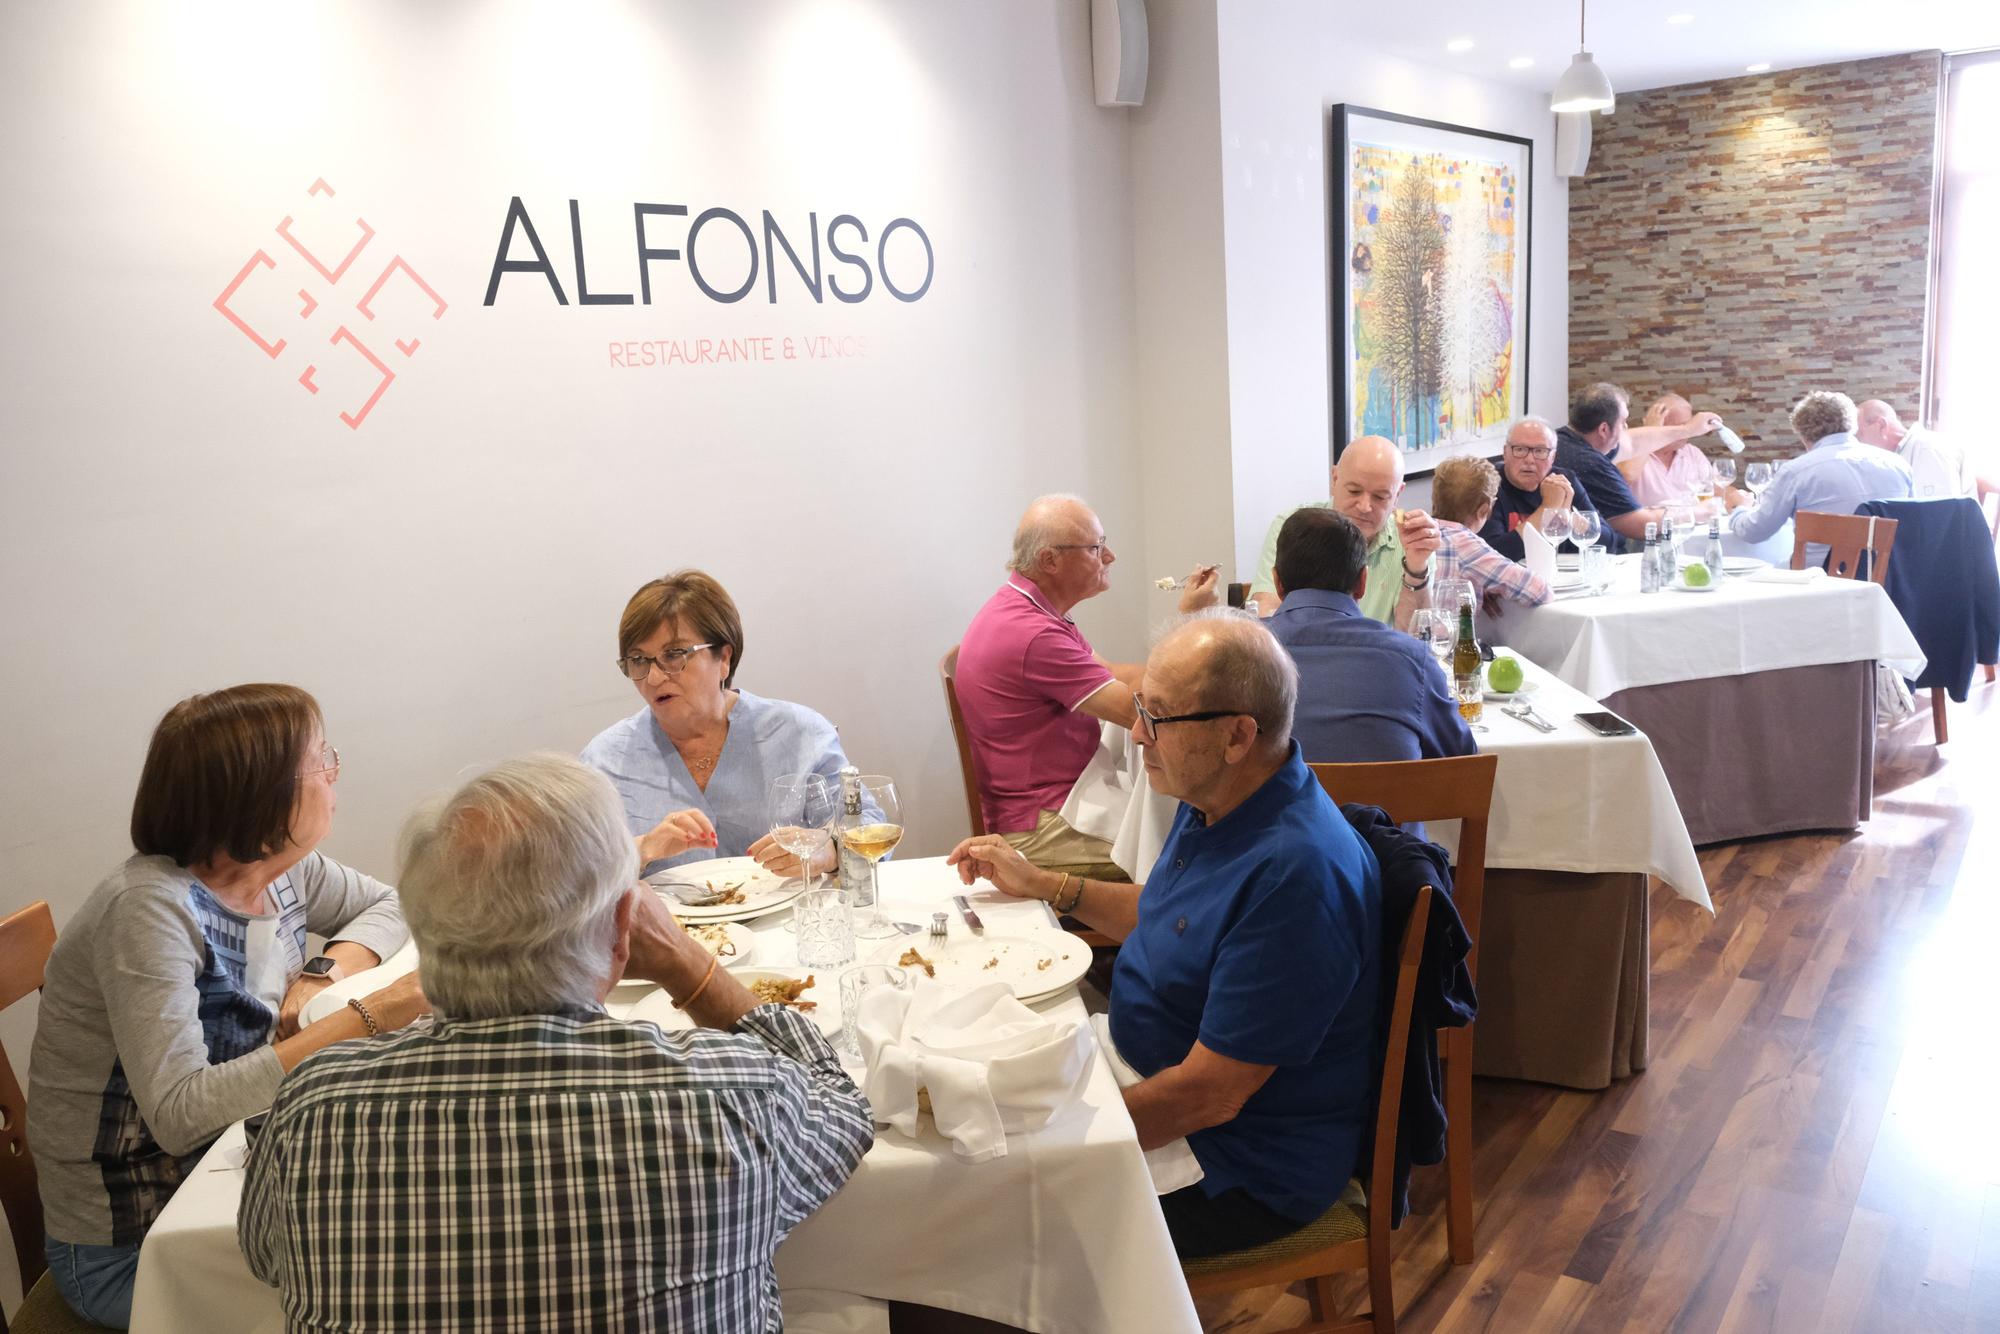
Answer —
323 967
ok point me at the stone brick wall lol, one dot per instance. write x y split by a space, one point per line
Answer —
1745 240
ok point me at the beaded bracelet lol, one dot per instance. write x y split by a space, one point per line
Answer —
367 1019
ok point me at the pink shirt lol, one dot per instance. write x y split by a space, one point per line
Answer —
1022 670
1660 482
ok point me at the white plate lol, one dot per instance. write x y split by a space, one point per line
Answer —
1743 565
763 892
738 935
1492 696
968 961
658 1007
1681 586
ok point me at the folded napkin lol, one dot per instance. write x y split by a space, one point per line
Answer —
1173 1166
1102 793
990 1066
1538 553
1771 574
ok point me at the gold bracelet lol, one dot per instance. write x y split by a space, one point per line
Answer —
1056 897
367 1019
1075 898
706 978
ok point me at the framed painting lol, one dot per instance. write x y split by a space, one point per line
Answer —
1430 289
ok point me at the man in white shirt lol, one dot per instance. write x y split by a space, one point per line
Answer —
1938 469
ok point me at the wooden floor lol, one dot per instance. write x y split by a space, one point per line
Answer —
1816 1145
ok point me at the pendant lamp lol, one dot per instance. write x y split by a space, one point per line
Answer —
1583 86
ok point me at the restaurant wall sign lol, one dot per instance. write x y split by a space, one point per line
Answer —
354 303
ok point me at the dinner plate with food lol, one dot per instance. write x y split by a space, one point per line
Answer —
731 942
724 889
1032 967
812 994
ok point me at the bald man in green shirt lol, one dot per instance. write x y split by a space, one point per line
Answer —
1365 484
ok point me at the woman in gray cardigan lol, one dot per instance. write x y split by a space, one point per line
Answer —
171 1004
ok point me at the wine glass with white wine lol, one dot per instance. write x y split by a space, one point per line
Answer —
872 832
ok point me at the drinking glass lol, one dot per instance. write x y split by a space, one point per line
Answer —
871 832
856 983
1470 691
1449 595
1725 472
826 934
1585 526
801 811
1756 476
1555 526
1596 569
1438 629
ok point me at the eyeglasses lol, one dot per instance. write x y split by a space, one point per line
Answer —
1151 723
329 763
1096 549
1530 451
670 661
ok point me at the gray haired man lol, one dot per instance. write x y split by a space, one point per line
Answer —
526 1161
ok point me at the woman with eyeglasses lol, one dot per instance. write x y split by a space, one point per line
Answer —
170 1006
695 763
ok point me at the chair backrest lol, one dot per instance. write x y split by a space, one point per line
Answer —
1389 1104
947 669
1460 788
26 940
1846 537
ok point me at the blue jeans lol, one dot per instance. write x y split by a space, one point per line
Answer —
96 1281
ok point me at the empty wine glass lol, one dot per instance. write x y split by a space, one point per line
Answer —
1756 476
1438 629
801 812
1725 472
872 829
1585 526
1555 526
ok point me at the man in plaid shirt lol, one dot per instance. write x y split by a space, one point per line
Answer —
526 1162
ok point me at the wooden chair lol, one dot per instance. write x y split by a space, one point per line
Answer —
1430 790
26 940
1354 1233
1846 536
947 669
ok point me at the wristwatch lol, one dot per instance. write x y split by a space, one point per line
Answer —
323 967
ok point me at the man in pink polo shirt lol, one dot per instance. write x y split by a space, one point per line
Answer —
1034 693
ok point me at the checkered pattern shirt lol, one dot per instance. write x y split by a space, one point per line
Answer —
548 1172
1466 555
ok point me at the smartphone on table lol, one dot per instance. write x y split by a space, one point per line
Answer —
1607 724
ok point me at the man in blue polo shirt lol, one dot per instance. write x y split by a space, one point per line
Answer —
1366 692
1247 991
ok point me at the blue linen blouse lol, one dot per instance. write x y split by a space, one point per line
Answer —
767 738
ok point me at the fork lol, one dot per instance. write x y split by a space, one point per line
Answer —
939 922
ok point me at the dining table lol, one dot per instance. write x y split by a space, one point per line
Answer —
1062 1234
1579 827
1758 691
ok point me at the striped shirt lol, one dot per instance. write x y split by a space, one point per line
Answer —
1466 555
548 1172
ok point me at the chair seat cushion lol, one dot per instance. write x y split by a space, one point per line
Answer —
1346 1221
43 1311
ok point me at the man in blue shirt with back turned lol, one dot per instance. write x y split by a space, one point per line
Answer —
1366 692
1247 992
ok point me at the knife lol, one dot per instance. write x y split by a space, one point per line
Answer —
965 911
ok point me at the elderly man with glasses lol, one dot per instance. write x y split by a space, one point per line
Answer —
1531 487
1246 991
526 1161
1034 692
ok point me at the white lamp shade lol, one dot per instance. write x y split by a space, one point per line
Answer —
1583 87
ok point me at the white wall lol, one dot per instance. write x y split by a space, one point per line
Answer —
1283 63
177 513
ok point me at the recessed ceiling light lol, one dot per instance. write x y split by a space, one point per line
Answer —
1520 62
1680 18
1458 44
1757 68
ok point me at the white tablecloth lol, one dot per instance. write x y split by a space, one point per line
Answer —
1063 1234
1567 800
1624 639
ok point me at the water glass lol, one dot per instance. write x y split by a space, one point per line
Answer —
856 983
1470 691
826 933
1596 568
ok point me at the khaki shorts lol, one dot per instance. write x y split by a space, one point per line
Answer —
1054 846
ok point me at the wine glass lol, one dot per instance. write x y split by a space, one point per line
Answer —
1725 472
1555 526
1756 476
1585 526
871 829
802 818
1438 629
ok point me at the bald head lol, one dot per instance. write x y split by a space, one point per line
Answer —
1366 482
1877 424
1051 521
1670 410
1527 470
1226 659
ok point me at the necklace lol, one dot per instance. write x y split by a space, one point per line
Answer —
701 766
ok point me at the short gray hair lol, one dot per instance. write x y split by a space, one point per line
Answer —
1822 413
1245 670
511 884
1539 423
1041 530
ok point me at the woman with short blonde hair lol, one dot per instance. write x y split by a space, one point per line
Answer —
1463 489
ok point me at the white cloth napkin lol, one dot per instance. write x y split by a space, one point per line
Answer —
1173 1166
990 1065
1771 574
1538 554
1102 793
822 1311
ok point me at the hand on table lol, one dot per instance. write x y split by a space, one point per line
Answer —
1734 498
1198 591
678 832
400 1003
992 858
776 858
304 989
1492 602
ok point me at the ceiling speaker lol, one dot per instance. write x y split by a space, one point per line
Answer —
1572 142
1118 51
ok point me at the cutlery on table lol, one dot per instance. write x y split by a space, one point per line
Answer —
965 911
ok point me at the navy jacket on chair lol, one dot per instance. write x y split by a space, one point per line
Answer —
1444 999
1943 579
